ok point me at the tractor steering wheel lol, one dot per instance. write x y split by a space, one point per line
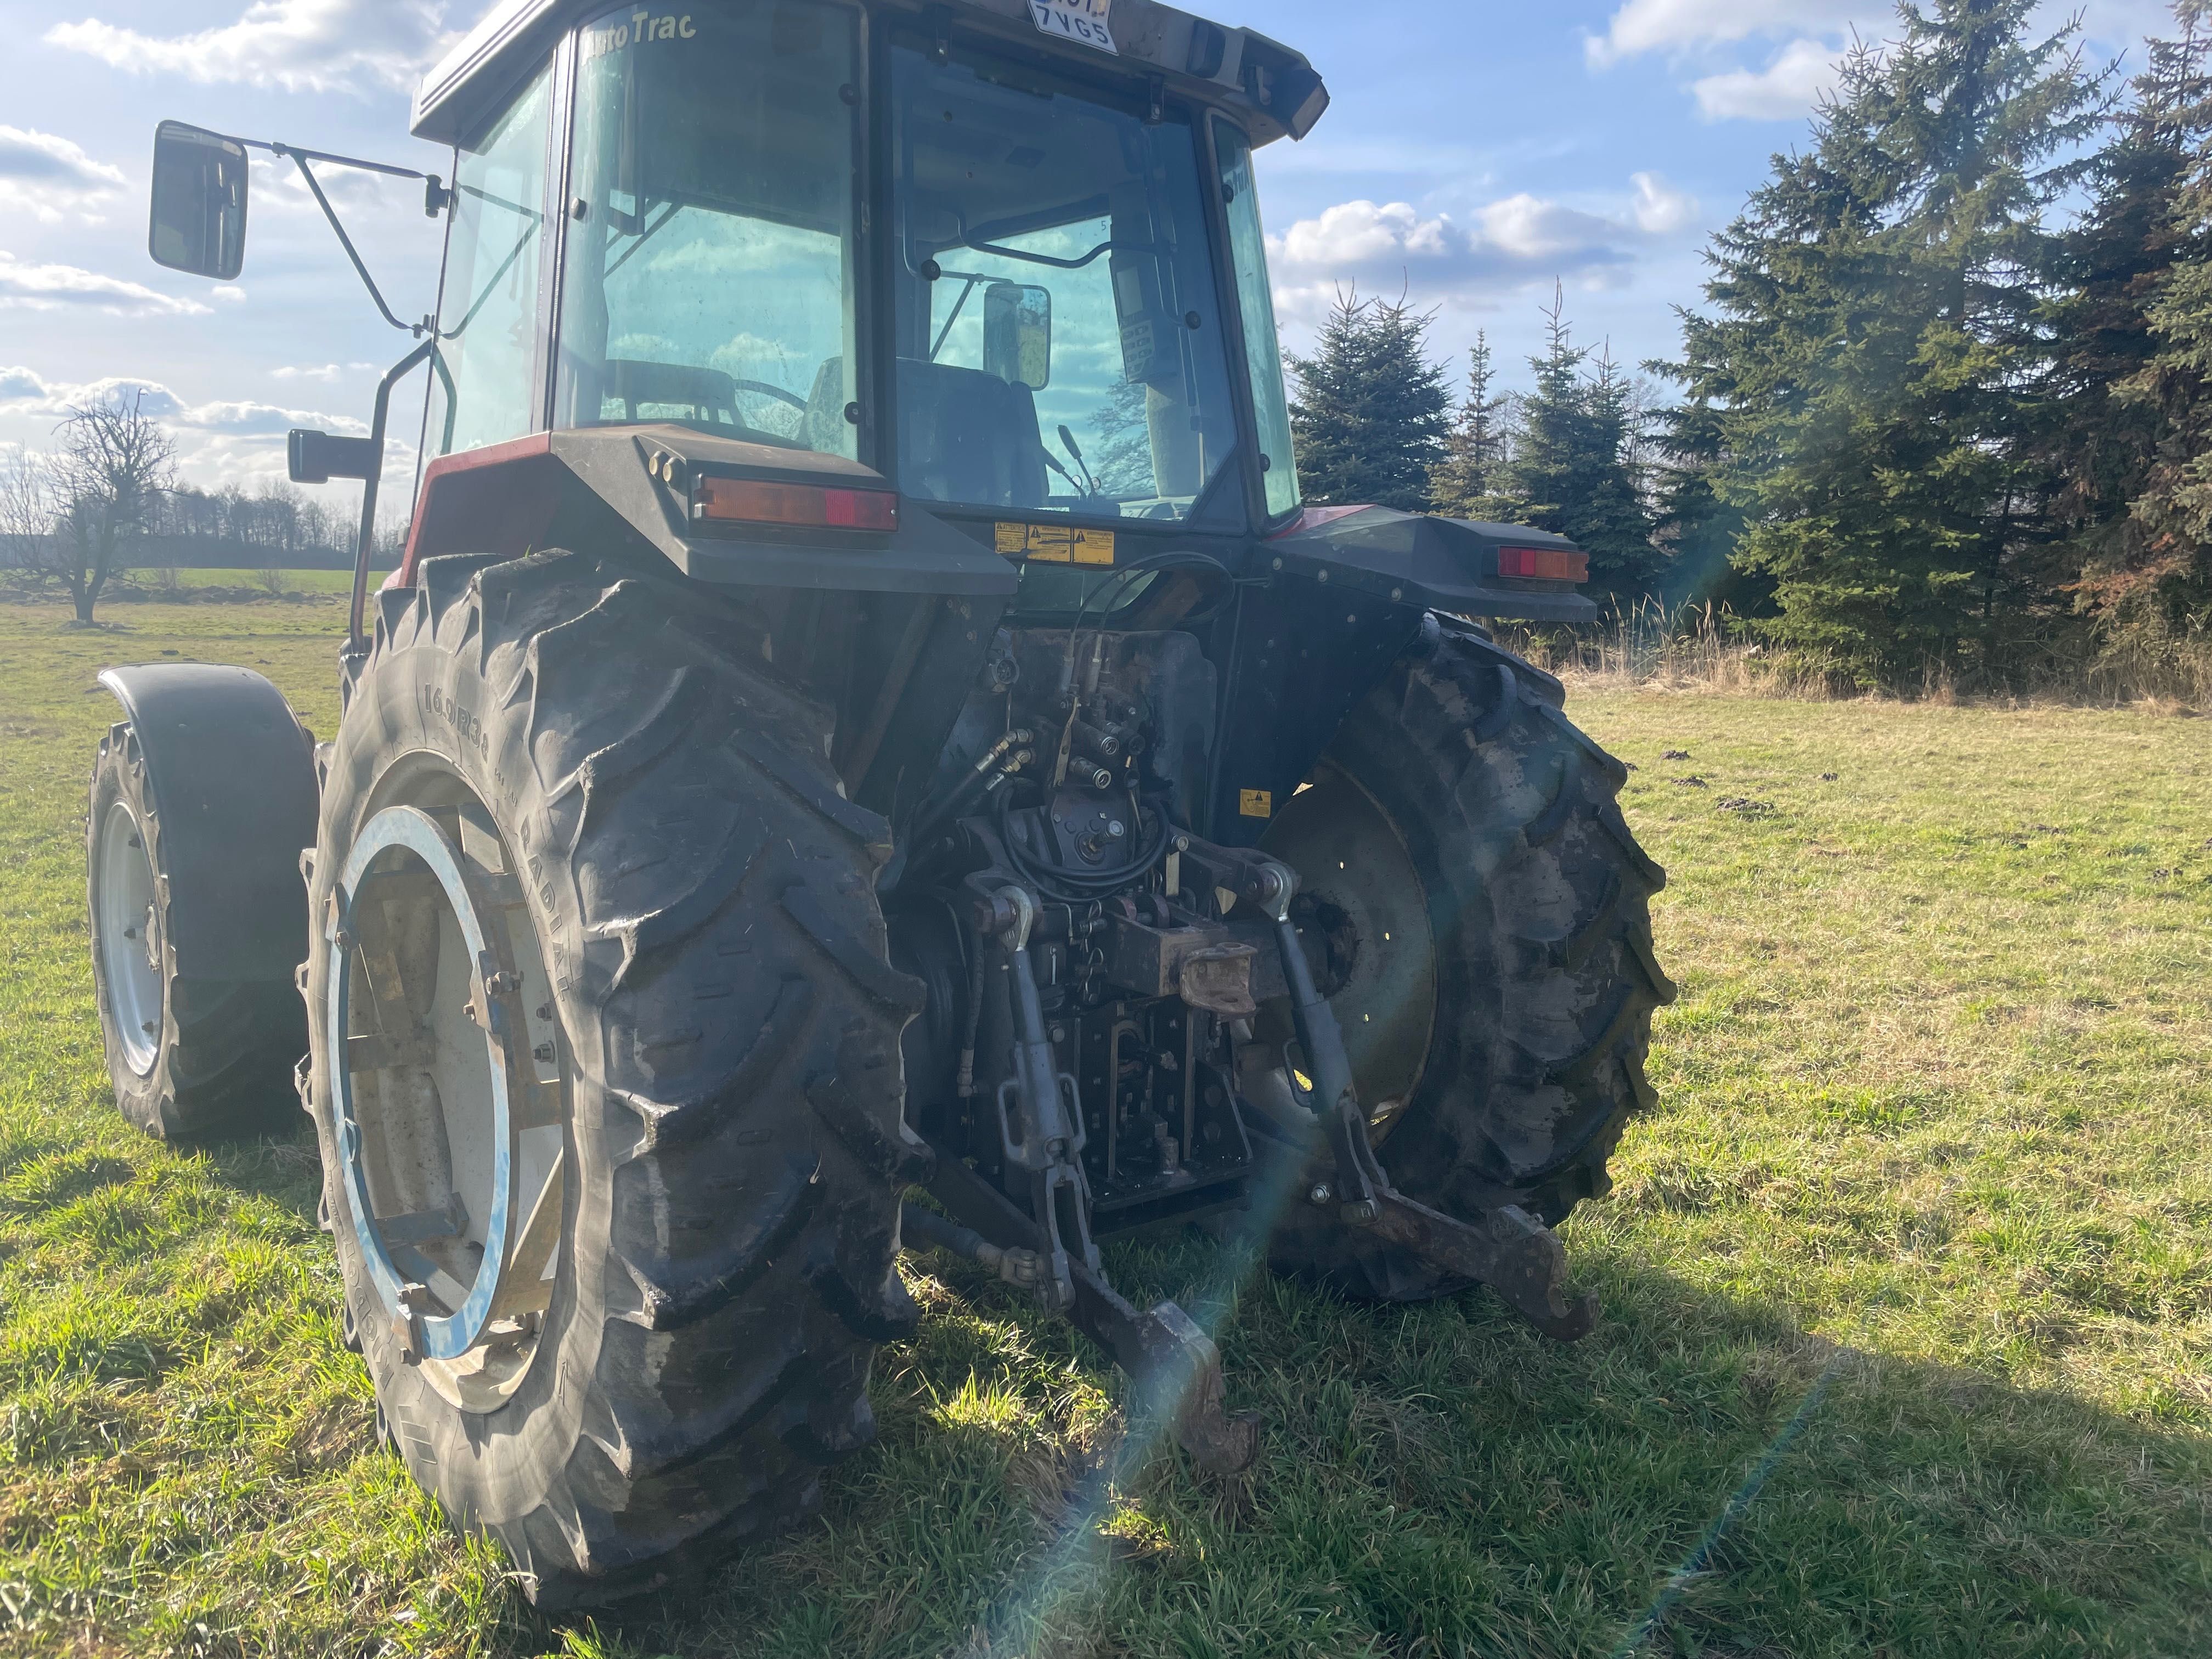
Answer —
774 392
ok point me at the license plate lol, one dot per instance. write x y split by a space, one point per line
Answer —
1091 22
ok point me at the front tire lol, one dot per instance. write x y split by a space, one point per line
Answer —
1479 912
719 1033
190 1057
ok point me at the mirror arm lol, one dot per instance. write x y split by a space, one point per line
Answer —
355 162
356 647
958 306
300 160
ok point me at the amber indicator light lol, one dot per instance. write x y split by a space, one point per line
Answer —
753 501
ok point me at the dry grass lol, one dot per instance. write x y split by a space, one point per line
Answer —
2147 665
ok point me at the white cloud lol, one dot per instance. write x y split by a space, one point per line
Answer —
300 46
245 418
229 293
219 443
47 177
26 392
1660 208
1360 233
1528 227
20 387
1520 236
51 288
1785 89
1643 26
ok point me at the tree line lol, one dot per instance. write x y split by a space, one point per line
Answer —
106 498
1944 406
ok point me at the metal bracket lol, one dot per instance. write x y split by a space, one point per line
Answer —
1506 1248
1173 1363
1040 1120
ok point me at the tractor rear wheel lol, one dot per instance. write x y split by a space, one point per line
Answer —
605 1068
1479 913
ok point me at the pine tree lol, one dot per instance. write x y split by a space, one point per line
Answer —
2154 566
1693 529
1371 411
2120 421
1464 484
1570 473
1878 357
1606 514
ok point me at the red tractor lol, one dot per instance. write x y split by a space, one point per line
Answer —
867 752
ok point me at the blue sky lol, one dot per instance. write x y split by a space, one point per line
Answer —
1473 154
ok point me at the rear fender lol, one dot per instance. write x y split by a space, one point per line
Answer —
623 491
231 774
1446 565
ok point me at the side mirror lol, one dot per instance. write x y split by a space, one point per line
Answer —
199 202
1018 334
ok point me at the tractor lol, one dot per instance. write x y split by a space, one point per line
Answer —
867 752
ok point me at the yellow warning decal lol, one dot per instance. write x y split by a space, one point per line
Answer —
1053 543
1256 803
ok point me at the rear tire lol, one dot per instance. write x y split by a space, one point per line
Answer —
703 901
189 1058
1503 1054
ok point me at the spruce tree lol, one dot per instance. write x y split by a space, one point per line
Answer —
1570 473
2155 567
2125 423
1462 485
1694 531
1606 513
1371 411
1876 352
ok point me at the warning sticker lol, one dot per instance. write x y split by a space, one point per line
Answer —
1257 803
1053 543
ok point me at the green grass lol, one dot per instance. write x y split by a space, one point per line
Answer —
130 589
314 582
1907 1286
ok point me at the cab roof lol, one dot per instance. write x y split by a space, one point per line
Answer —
1272 87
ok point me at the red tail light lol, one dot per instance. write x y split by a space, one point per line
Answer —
1544 564
753 500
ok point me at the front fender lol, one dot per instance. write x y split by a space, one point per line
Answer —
231 774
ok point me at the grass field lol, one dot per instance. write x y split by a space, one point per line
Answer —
1907 1285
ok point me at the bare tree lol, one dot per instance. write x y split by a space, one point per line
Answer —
115 465
29 514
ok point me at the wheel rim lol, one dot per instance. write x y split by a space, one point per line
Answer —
1361 892
129 927
448 1083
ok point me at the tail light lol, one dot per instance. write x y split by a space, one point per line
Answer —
754 501
1544 564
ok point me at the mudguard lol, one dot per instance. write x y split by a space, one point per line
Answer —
1449 565
231 772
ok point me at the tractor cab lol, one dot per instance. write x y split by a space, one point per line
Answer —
1006 256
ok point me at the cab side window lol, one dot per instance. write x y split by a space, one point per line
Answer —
488 313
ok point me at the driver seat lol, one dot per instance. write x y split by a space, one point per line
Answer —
966 436
708 392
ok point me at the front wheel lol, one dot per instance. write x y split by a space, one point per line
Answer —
191 1055
1479 913
605 1067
